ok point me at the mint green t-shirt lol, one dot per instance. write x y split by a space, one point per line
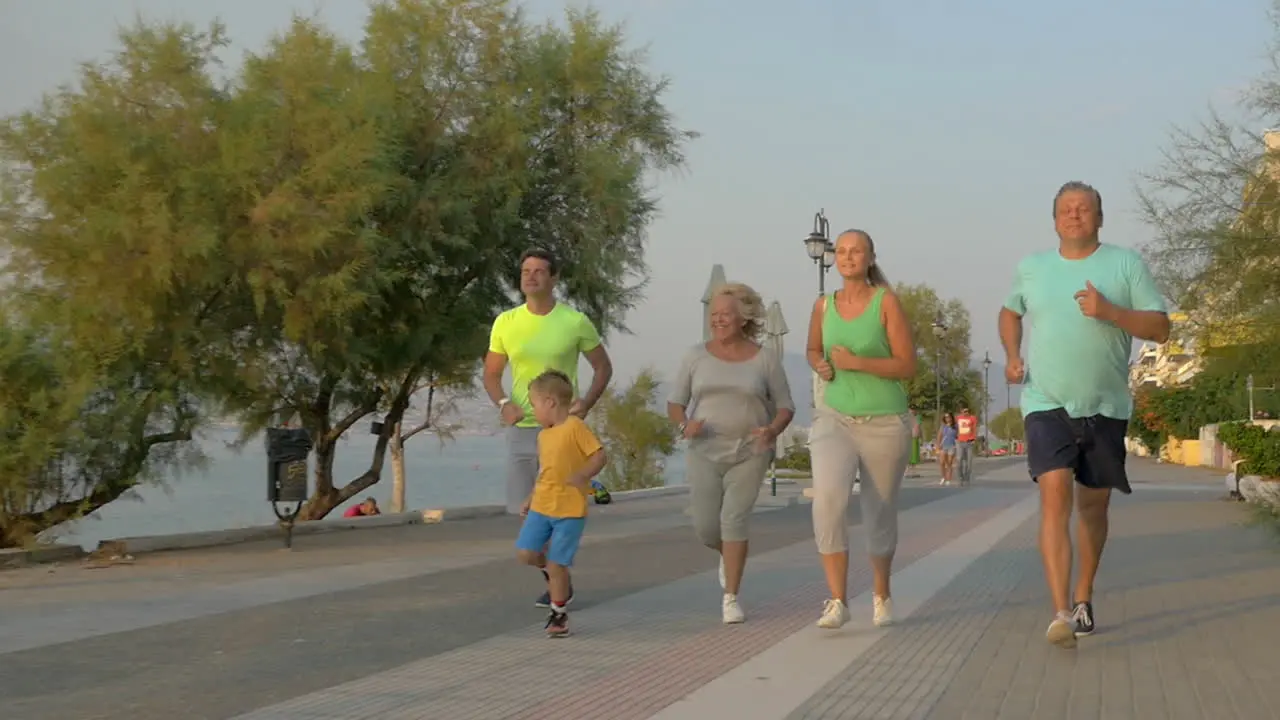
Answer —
1075 362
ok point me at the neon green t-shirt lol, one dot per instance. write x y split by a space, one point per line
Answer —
534 344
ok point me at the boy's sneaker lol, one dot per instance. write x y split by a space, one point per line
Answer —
557 624
883 615
1062 631
834 615
1083 614
731 610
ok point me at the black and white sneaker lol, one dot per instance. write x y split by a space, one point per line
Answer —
1082 613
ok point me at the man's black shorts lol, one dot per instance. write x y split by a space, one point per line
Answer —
1091 447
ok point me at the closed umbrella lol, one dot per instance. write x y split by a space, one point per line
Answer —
775 326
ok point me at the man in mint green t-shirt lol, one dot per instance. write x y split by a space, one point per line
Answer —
1084 302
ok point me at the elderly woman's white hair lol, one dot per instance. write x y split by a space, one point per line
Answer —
750 307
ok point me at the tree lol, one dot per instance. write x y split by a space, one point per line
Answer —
443 396
1213 206
326 232
1007 425
636 437
961 384
110 200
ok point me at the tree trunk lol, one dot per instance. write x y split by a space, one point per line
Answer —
397 470
324 497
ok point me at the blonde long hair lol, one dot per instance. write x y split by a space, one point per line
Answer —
750 306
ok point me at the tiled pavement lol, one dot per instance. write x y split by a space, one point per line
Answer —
1188 611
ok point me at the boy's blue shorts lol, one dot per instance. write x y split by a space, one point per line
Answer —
564 534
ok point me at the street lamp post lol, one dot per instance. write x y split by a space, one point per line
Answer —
939 330
821 251
823 254
986 401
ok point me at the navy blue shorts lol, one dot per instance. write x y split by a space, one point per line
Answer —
1091 447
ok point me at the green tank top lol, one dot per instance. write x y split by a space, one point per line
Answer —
860 394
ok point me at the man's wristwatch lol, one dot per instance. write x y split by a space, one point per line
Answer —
681 427
502 404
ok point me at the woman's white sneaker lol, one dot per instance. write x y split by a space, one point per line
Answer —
834 615
731 610
1062 631
883 615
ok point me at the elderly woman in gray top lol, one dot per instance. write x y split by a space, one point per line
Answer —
731 401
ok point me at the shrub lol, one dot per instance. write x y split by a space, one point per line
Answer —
1258 447
796 457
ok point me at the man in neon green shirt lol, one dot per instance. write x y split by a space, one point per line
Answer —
539 335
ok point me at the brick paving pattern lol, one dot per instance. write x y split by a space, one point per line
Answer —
630 658
435 623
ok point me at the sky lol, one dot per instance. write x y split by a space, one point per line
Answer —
942 128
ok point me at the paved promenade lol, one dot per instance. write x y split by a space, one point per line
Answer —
437 621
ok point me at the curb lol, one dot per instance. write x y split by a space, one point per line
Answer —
645 493
120 547
18 557
234 536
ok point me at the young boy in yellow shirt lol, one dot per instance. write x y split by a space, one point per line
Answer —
555 514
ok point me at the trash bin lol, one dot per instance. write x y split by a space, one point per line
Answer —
287 453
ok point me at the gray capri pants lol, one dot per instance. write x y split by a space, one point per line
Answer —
723 495
522 465
840 446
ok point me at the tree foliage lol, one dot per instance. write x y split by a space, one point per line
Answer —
1214 204
636 437
335 223
1007 425
947 357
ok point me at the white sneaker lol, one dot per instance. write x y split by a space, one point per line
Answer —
1062 631
731 610
834 615
883 612
723 582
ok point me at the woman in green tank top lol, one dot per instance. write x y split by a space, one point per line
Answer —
860 344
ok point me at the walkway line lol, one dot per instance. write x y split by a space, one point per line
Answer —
780 679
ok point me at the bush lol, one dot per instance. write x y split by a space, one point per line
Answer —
796 457
636 437
1161 413
1258 447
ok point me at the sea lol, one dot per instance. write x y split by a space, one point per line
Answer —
229 489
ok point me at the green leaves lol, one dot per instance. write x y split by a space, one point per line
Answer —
1007 425
1256 445
1213 207
318 233
949 354
635 436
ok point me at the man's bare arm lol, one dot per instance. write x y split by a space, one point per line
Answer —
1150 325
602 373
494 365
1011 333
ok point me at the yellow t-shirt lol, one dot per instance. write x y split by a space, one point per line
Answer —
534 344
562 450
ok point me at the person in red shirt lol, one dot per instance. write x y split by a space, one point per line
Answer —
966 434
368 507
